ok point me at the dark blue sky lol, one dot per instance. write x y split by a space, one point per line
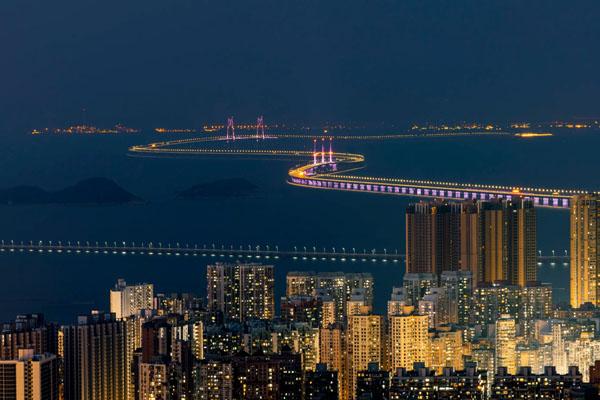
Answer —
183 62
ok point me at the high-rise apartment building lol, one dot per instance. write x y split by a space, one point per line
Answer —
373 383
415 286
250 377
483 355
332 285
458 287
357 304
447 350
506 344
521 242
535 303
491 239
133 329
267 377
332 288
127 300
365 345
397 301
525 304
582 351
362 282
241 291
332 351
214 380
322 384
307 309
95 358
506 241
329 313
408 339
534 355
169 346
559 353
185 304
28 331
29 377
585 250
153 381
435 305
432 237
492 300
301 339
300 283
470 240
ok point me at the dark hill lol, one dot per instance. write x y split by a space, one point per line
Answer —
24 195
235 187
88 191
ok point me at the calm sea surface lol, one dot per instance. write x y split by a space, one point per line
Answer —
62 286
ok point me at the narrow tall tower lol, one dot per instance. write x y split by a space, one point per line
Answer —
314 151
330 150
585 250
260 127
230 128
506 352
323 150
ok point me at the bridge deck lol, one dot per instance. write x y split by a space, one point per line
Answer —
246 253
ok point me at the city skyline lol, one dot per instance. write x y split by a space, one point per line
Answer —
268 200
418 337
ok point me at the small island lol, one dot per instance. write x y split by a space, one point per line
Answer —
233 187
92 191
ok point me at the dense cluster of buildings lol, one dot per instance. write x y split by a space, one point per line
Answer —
470 321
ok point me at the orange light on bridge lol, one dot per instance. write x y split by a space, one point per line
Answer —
533 134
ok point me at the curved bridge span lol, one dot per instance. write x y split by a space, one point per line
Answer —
328 170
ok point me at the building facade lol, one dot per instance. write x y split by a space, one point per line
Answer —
585 250
365 345
241 291
214 380
128 300
30 377
433 237
408 339
506 344
95 358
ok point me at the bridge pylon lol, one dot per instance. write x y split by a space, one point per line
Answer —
230 128
260 127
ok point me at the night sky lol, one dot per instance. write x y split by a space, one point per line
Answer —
178 63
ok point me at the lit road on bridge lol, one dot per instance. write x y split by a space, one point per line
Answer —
328 170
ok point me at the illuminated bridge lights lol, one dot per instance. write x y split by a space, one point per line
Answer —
415 191
325 171
197 250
